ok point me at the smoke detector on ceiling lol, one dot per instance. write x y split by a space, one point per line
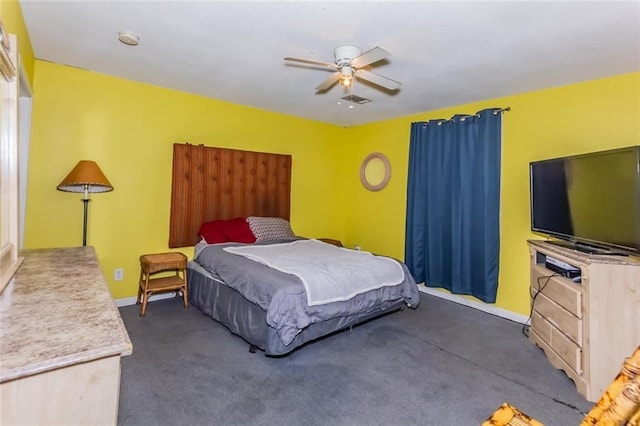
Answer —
128 38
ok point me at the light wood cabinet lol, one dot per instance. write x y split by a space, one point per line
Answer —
62 340
585 328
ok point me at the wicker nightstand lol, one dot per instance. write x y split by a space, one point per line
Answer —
336 243
151 264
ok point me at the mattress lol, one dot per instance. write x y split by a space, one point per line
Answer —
268 308
248 320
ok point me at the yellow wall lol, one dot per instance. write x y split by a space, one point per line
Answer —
574 119
129 128
11 16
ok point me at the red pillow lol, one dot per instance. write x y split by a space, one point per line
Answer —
212 232
238 230
223 231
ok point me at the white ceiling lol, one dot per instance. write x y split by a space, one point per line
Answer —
444 53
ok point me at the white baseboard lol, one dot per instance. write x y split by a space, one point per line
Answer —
128 301
499 312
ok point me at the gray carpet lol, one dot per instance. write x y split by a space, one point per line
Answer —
442 364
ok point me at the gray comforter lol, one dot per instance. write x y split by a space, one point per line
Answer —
283 296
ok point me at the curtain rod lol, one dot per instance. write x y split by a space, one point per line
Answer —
496 112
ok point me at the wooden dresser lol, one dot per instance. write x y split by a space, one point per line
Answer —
62 339
587 326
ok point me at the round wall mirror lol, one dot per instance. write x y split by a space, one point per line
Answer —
375 171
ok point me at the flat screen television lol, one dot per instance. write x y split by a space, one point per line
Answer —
590 202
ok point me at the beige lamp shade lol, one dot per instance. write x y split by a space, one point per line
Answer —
85 176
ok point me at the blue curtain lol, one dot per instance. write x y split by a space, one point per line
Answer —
453 203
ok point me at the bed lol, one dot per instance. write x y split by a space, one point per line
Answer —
241 199
271 310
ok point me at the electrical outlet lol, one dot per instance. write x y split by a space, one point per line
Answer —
118 274
357 247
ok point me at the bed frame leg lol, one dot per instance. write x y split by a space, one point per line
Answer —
253 349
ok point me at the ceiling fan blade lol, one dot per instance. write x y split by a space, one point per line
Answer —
325 85
310 61
378 80
369 57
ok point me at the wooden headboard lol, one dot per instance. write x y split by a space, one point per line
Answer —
211 183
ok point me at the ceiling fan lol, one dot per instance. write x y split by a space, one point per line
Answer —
350 63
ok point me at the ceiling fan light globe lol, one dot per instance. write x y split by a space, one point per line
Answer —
346 75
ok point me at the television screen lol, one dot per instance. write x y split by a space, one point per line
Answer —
592 200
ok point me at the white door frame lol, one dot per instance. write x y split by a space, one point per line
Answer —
24 138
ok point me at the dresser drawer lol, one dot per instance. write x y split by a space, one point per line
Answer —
561 290
565 348
555 314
